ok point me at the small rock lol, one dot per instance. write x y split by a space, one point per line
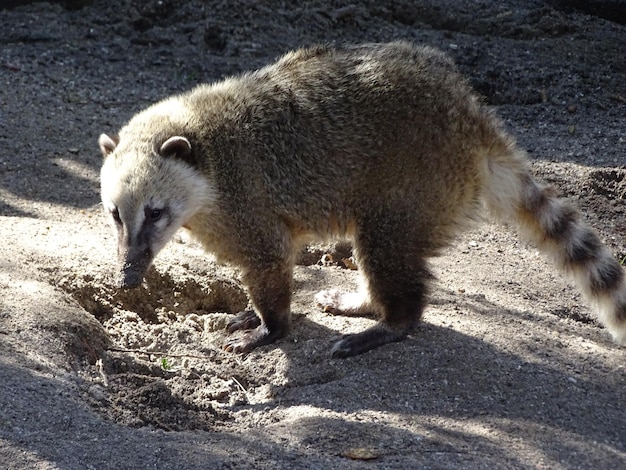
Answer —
360 453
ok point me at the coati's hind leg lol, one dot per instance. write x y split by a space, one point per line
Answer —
270 292
399 318
397 279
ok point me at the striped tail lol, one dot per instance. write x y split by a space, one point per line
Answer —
556 228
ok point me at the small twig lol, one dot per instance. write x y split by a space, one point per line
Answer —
240 386
103 376
158 353
12 67
619 98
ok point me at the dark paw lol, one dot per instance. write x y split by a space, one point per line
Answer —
246 320
349 345
260 336
352 345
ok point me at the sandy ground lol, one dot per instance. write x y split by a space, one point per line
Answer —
509 369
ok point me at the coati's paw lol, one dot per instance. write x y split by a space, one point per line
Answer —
337 302
352 345
260 336
246 320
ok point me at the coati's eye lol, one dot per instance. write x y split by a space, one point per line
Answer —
116 216
153 214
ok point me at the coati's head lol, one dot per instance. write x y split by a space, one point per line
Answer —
150 187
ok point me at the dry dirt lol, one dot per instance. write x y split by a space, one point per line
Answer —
508 369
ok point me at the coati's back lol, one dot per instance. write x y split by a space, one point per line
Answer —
325 131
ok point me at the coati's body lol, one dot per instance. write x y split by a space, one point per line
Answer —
383 144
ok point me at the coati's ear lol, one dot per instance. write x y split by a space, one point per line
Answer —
108 143
176 147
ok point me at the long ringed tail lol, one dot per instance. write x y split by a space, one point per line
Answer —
556 228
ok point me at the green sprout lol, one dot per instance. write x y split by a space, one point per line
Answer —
165 364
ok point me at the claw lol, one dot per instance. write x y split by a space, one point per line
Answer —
252 339
246 320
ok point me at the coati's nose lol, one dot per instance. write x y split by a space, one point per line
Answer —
134 263
130 279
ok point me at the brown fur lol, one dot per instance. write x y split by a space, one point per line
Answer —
384 144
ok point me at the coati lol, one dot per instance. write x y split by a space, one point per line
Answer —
382 144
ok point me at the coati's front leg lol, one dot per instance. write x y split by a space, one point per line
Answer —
270 292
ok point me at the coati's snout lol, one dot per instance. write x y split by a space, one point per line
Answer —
135 259
134 265
135 248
